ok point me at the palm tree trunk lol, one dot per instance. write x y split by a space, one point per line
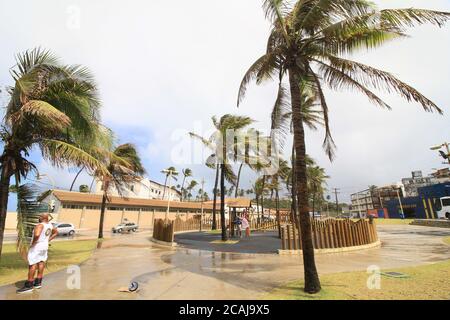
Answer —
237 180
312 282
4 194
102 216
76 177
222 203
182 188
294 214
263 185
277 206
214 222
314 205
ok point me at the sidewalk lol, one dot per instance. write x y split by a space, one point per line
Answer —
183 273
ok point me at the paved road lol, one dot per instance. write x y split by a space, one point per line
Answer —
84 234
195 274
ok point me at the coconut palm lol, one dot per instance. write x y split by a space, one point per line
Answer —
308 42
186 173
53 108
191 187
124 168
172 172
316 181
213 144
276 180
224 152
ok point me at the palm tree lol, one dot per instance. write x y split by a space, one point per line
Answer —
223 152
124 168
53 108
276 179
214 161
186 173
316 181
191 187
170 171
307 42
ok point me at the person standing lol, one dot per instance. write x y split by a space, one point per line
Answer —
245 226
43 233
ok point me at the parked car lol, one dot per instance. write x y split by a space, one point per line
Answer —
125 227
267 219
65 228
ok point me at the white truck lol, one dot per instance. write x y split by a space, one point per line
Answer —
444 210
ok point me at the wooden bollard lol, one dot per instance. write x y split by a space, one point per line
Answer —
294 237
289 237
283 238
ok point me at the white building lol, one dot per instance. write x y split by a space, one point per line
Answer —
144 189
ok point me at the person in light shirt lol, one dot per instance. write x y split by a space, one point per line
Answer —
43 233
245 225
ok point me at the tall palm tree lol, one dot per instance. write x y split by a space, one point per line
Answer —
213 144
316 181
191 187
53 108
308 42
124 168
224 152
276 180
186 173
170 171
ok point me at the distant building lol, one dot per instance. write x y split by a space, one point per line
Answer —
144 189
83 209
373 199
417 180
441 175
422 206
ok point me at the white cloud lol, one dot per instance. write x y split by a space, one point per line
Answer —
162 66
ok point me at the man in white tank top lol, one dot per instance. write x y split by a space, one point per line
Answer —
43 233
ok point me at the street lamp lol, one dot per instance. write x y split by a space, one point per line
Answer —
169 176
444 155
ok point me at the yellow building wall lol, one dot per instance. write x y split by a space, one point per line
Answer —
11 220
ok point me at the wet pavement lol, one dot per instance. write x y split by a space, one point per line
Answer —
258 242
184 273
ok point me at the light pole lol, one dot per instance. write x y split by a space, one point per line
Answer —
445 145
201 213
169 176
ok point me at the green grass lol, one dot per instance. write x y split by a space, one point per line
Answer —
424 282
61 254
393 221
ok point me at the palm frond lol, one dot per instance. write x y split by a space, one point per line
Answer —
28 211
43 113
61 153
406 18
261 70
328 143
382 80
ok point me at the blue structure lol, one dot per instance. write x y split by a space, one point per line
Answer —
423 206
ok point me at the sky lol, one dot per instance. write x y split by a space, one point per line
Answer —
164 68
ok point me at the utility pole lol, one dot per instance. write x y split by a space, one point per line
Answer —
336 191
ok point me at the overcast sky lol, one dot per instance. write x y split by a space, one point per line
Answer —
166 67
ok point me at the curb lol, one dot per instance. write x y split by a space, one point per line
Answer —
333 250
